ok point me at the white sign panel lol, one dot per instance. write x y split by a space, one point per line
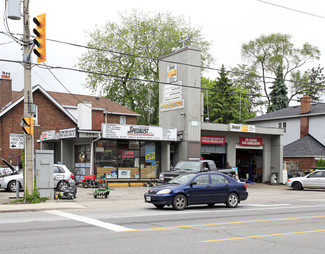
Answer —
172 105
16 141
118 131
242 127
68 133
172 92
48 135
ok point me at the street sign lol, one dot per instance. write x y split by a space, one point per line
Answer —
16 141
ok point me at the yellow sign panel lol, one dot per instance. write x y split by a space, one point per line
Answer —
150 156
244 128
172 105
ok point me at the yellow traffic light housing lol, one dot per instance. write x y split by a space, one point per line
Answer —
40 40
28 127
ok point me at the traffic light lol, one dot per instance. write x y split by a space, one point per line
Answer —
40 40
28 125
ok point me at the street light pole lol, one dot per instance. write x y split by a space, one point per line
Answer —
28 101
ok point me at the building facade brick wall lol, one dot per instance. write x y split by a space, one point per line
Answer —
50 117
304 163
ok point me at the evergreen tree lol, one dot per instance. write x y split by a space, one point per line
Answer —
279 94
227 102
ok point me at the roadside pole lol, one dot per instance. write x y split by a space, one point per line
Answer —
28 101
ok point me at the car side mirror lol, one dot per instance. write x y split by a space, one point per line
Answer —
193 183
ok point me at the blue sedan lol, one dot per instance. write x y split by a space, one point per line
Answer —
197 188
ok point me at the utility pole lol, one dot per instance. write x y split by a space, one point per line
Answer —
28 101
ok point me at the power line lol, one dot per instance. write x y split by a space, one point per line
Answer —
172 62
131 78
291 9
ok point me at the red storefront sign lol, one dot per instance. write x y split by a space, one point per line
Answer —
213 140
251 141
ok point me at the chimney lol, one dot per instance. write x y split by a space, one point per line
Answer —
5 89
304 120
305 104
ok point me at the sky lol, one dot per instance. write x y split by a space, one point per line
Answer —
227 24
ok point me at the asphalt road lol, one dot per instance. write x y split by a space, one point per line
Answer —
273 220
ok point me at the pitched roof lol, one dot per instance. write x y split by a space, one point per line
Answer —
290 112
66 100
307 146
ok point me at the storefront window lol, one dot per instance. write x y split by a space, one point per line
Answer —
106 158
126 159
148 160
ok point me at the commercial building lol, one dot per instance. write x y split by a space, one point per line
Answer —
257 152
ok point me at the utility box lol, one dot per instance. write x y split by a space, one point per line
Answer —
44 173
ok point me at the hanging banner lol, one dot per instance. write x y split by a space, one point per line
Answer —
251 141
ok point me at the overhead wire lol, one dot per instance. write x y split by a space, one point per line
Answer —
131 78
291 9
169 61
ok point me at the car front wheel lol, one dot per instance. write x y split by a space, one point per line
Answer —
62 186
12 186
179 202
296 186
232 200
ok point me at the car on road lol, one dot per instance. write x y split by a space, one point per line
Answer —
192 166
315 179
197 188
60 173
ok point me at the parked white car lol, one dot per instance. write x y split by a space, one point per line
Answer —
61 173
315 180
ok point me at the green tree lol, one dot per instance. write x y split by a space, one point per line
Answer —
136 34
226 102
310 83
246 77
279 93
269 51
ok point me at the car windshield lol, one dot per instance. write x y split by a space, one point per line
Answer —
188 165
182 179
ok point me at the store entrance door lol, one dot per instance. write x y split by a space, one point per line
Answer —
81 160
250 164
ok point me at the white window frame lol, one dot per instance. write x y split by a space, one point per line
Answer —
122 119
283 125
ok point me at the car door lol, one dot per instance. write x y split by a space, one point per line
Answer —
219 188
315 180
199 193
58 174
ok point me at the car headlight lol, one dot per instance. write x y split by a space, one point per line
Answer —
161 176
164 191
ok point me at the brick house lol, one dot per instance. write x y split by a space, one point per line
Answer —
55 111
304 139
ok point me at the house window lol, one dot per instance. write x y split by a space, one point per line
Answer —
283 125
35 114
122 120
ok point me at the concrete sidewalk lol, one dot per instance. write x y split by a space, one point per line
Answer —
133 196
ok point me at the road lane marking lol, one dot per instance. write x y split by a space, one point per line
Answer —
259 236
260 205
87 220
224 223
